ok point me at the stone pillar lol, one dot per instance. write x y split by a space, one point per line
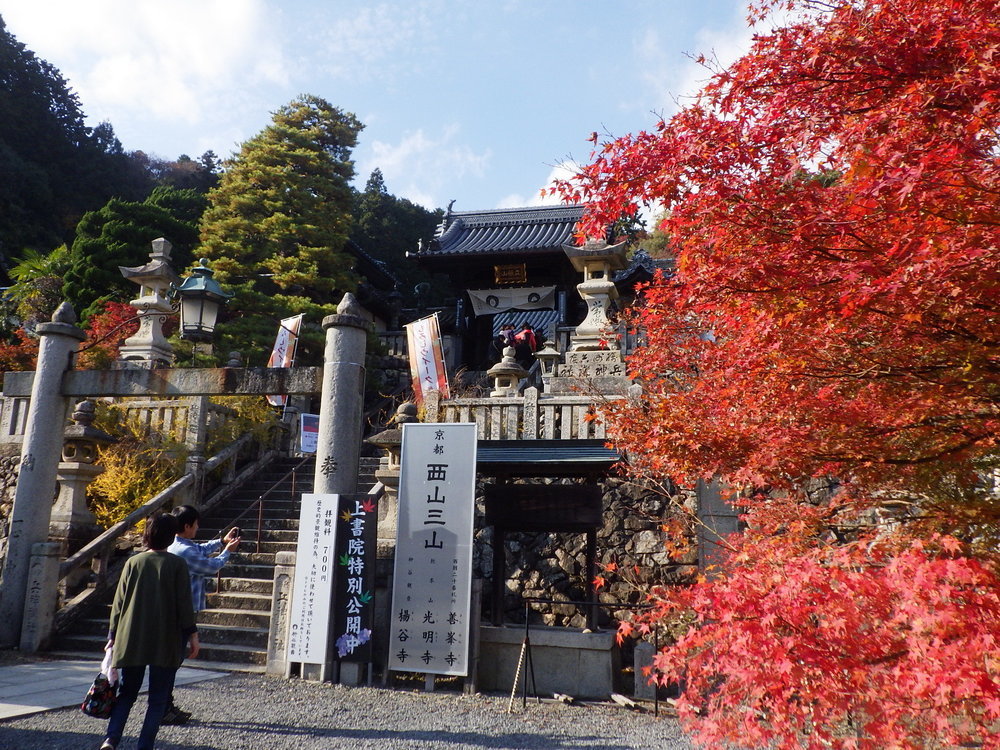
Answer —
341 418
36 481
342 401
281 598
195 438
643 658
40 605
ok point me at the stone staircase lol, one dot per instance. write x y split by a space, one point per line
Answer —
234 628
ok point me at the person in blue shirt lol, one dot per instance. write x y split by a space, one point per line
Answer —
204 559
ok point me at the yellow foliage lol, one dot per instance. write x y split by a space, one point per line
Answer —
253 415
136 469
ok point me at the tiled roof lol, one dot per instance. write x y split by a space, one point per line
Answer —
543 229
643 266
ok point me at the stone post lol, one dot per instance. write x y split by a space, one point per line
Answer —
342 401
281 597
341 418
36 481
40 605
195 438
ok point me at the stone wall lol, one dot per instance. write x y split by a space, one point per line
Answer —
551 566
10 456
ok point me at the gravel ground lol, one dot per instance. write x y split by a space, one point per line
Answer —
252 712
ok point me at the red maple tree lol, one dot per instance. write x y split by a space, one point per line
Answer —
834 201
106 331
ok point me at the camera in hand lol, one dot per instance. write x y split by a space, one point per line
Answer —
237 532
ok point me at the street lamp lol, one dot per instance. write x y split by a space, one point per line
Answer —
200 299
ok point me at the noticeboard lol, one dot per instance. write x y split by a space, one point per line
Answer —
309 624
429 621
354 600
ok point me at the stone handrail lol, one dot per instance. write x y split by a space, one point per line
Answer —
532 416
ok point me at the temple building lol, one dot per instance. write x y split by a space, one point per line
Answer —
510 266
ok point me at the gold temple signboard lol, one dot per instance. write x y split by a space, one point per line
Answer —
514 273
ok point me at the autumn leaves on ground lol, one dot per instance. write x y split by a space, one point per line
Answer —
833 201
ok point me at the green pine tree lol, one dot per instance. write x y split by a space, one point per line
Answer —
119 234
277 224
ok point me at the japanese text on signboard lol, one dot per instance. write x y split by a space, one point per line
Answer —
429 622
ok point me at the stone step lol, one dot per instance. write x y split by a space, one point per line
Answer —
259 586
240 601
213 636
232 654
241 618
249 533
249 546
251 558
236 569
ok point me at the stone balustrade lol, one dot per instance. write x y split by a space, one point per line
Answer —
533 416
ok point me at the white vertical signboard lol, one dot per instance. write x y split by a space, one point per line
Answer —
429 622
309 627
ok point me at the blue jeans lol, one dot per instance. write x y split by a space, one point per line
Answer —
161 683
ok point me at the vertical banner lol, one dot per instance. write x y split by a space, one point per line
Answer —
354 601
283 353
309 625
429 621
423 341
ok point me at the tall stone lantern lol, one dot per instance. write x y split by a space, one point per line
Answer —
596 260
72 524
388 472
148 348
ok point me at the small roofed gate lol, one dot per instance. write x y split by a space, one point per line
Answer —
544 508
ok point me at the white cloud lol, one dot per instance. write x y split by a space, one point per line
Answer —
420 167
374 41
674 85
169 61
562 171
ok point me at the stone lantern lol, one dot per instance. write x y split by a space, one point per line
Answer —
506 374
391 440
72 524
596 259
549 358
148 347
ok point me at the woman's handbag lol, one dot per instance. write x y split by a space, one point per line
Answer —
104 692
100 698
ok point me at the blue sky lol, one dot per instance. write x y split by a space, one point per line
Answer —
478 101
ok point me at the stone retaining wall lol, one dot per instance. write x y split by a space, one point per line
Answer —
551 566
10 456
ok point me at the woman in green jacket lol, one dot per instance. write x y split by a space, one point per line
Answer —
152 621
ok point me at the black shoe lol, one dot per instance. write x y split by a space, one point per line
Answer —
174 715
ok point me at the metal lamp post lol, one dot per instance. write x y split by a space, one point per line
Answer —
200 297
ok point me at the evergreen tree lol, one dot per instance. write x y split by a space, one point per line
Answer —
387 227
119 234
53 167
278 221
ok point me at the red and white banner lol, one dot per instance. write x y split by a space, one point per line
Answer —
423 340
283 353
